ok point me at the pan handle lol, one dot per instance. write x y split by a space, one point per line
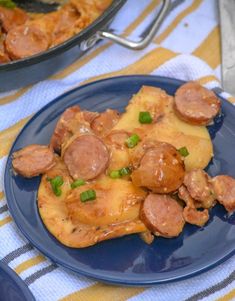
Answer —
146 40
138 45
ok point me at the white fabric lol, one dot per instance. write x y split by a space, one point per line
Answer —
187 35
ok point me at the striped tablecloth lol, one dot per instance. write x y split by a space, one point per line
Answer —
186 47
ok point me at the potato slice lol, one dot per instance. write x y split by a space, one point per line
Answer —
167 127
117 201
121 199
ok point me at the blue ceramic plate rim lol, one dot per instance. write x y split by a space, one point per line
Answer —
81 271
17 281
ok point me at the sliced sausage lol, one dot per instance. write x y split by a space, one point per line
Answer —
224 187
33 160
162 215
65 24
196 104
195 217
119 152
184 195
62 129
25 40
72 121
140 150
161 169
86 157
4 58
103 124
90 116
12 17
198 184
117 139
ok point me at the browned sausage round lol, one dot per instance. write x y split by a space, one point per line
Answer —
12 17
162 215
195 217
196 104
224 187
24 40
33 160
103 124
86 157
199 187
161 169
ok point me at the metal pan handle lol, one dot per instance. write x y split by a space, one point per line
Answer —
146 40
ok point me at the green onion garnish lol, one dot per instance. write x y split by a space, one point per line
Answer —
56 183
115 174
124 171
183 151
145 117
77 183
7 3
88 195
132 141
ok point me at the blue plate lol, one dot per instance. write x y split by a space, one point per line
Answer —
12 288
127 260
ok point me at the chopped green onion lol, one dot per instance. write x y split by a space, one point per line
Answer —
55 184
183 151
7 3
115 174
145 117
57 181
132 141
88 195
77 183
124 171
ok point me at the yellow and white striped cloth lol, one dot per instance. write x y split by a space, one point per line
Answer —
186 47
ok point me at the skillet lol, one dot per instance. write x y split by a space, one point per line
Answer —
30 70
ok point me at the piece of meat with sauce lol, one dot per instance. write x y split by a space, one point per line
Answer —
199 187
162 215
139 151
190 213
196 104
119 152
4 57
86 157
62 130
161 169
195 217
33 160
24 40
184 195
10 18
104 122
117 139
224 187
72 121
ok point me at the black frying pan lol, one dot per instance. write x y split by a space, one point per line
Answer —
30 70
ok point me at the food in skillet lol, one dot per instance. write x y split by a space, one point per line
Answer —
24 34
108 174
